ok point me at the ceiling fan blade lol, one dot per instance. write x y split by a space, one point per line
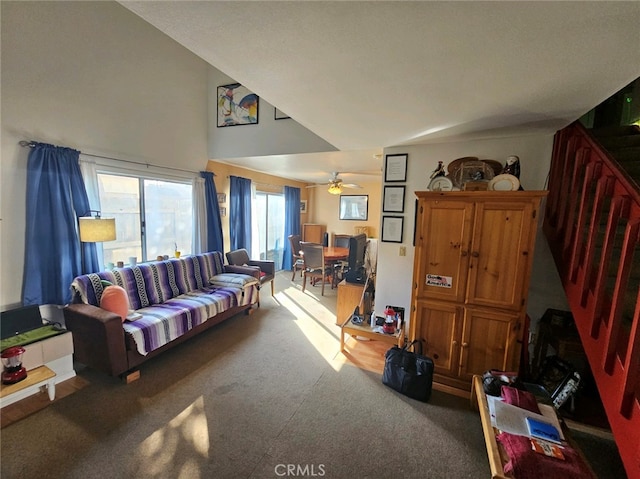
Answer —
367 173
350 185
316 186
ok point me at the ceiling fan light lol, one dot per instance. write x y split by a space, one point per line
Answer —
334 189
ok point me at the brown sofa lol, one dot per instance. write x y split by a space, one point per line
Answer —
180 297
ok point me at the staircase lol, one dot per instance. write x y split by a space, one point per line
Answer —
592 223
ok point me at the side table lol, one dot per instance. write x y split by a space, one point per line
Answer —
36 378
365 331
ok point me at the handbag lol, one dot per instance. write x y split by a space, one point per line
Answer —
409 373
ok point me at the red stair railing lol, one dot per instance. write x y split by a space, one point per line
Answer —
592 223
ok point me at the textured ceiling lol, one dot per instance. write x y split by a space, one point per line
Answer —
368 75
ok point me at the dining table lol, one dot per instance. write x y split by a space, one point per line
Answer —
332 255
335 253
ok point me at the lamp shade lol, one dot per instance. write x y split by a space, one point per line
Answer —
93 230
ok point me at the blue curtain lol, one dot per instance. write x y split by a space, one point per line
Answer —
240 213
215 240
56 197
291 221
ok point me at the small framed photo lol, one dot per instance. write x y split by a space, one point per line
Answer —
392 227
223 211
395 168
279 114
222 197
303 206
393 199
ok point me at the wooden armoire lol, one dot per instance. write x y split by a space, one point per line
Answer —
473 257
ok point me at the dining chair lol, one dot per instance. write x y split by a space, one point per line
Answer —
340 267
341 240
314 266
297 262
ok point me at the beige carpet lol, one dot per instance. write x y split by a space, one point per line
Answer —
260 396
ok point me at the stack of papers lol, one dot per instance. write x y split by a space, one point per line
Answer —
513 419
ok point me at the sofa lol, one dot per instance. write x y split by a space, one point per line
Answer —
169 302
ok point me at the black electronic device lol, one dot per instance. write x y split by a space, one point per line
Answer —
357 252
20 320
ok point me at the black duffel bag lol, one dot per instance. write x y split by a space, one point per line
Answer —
409 373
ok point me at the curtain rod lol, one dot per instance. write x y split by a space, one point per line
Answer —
32 143
262 184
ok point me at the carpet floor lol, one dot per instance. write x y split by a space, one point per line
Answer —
261 396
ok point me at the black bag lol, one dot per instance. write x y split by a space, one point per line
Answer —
409 373
494 379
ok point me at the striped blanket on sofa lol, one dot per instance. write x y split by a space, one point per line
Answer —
171 296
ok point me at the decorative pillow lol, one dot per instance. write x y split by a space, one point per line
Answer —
525 463
114 299
520 398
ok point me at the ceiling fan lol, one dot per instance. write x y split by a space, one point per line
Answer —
335 184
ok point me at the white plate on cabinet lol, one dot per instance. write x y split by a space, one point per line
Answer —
504 182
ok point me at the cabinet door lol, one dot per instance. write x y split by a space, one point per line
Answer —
500 253
438 325
489 341
443 249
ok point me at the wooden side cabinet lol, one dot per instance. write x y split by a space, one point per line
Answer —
472 264
313 233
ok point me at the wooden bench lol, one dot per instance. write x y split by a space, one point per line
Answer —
495 452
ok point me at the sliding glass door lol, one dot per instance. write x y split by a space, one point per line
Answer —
270 221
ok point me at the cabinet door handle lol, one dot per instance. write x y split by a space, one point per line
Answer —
465 345
475 254
455 343
464 253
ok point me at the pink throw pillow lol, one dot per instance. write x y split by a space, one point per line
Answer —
114 299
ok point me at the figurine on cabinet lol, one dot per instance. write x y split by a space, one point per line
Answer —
512 167
439 171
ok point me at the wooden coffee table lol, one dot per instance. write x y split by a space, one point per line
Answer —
365 331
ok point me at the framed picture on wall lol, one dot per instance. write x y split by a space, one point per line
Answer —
354 207
237 106
222 197
279 115
303 206
395 168
392 227
393 199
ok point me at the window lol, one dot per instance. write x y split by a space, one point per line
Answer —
153 216
270 222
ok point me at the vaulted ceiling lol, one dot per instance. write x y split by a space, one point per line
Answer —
368 75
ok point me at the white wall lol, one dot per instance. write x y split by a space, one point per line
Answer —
95 77
394 275
268 137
